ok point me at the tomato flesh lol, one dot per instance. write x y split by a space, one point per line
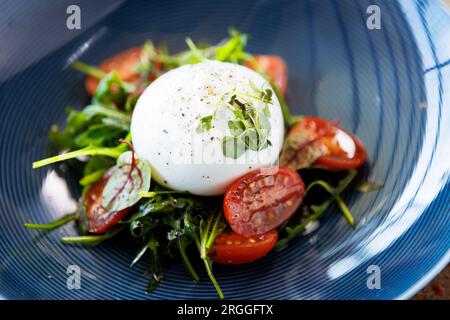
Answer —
336 155
99 218
258 202
275 68
124 64
232 248
338 159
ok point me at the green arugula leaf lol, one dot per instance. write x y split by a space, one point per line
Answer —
289 119
176 234
204 233
109 111
112 89
208 234
183 242
299 151
87 151
230 50
95 125
233 49
140 228
318 210
155 269
96 163
196 55
368 186
76 122
54 224
90 178
148 53
99 135
131 101
94 240
116 124
167 208
88 69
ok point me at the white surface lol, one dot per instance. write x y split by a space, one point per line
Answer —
167 114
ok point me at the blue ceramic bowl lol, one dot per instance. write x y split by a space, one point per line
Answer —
390 86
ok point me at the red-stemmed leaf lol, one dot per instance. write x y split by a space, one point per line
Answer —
129 178
300 151
302 146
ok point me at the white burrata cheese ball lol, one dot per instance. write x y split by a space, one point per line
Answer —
180 121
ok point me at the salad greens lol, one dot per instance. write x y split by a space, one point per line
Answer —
177 221
229 50
250 127
93 240
166 223
54 224
128 179
368 186
314 211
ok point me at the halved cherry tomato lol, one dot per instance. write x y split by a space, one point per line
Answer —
259 202
342 149
99 218
232 248
337 160
125 64
275 68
